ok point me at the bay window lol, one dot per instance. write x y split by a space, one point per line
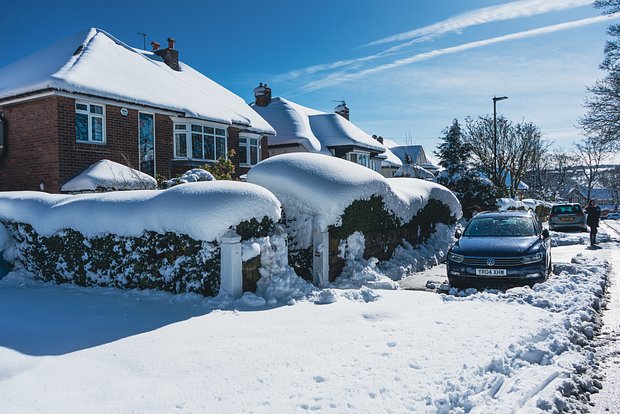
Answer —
199 142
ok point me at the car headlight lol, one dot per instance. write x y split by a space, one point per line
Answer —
532 258
458 258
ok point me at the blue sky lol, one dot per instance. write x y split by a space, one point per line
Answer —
405 68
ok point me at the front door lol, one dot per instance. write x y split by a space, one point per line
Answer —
147 144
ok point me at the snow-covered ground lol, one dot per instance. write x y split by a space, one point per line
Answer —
67 349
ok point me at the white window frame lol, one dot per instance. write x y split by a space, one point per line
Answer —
188 139
357 156
248 145
90 117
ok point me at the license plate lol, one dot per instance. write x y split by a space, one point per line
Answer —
567 219
490 272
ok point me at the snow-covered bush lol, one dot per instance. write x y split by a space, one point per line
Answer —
106 175
167 240
190 176
321 193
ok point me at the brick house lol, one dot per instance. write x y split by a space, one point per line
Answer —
91 97
302 129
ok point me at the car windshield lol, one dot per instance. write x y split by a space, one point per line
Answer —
567 209
500 227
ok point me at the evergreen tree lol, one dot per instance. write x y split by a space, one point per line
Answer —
453 152
473 190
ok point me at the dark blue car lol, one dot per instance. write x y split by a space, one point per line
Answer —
500 249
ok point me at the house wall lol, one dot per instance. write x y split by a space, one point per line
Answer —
42 149
31 156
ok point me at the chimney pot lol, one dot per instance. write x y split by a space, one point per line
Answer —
155 46
170 43
342 110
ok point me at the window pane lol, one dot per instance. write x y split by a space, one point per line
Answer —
197 146
147 144
242 141
253 141
81 107
209 130
221 147
180 126
196 128
243 154
210 148
180 144
253 155
219 131
81 127
96 109
97 132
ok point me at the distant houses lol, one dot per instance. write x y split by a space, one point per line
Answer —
302 129
605 197
91 97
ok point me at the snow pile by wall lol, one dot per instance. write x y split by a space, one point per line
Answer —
203 211
545 366
190 176
106 175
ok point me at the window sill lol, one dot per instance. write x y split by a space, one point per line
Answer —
90 143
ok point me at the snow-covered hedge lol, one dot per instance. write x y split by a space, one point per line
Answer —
324 193
166 240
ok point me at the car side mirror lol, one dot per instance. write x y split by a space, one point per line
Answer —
545 234
458 234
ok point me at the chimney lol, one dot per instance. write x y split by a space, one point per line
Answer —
342 110
170 55
262 95
378 138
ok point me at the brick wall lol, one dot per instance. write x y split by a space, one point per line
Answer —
31 156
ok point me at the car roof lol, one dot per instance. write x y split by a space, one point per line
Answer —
567 204
508 213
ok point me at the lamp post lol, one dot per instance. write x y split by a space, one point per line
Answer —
495 99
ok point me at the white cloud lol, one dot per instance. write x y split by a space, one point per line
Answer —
512 10
343 76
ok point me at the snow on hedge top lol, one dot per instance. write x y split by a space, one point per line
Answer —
415 193
323 186
203 210
316 131
109 175
95 63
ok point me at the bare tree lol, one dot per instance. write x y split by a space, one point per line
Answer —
519 148
611 179
559 180
591 152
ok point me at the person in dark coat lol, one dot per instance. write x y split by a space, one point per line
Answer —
594 214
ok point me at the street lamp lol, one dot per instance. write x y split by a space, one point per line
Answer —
495 99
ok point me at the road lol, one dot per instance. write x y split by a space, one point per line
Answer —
607 341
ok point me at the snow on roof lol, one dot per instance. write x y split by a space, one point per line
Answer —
596 193
95 63
323 186
203 210
410 170
389 143
314 130
109 175
391 160
417 154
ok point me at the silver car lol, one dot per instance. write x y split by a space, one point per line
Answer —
566 217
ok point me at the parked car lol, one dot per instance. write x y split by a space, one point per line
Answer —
568 216
611 216
500 249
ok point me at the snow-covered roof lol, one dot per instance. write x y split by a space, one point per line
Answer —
203 210
596 193
95 63
417 154
323 186
106 175
389 143
390 160
316 131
